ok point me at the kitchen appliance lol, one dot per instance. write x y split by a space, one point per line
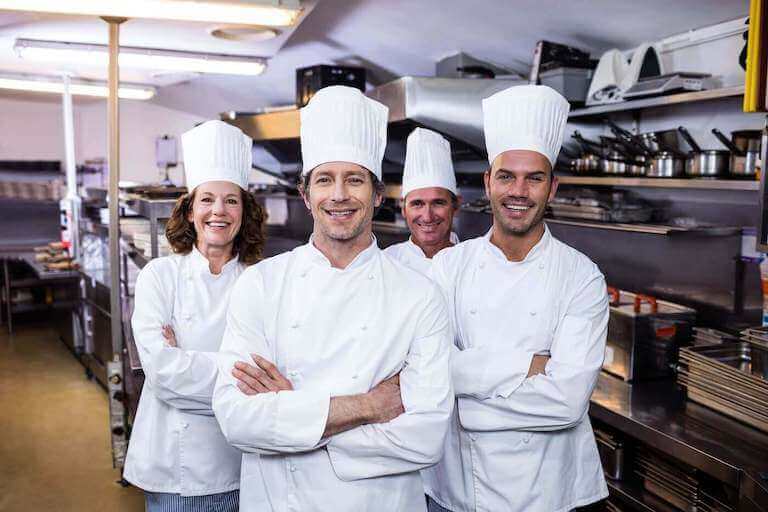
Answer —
311 79
572 83
709 163
645 63
605 85
745 155
667 84
644 335
610 447
548 55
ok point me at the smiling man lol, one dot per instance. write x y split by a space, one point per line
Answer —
430 199
531 316
350 395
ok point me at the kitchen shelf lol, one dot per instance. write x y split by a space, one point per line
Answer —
649 229
658 101
26 308
694 183
638 498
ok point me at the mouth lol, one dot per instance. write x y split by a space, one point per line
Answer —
340 214
428 227
516 209
217 225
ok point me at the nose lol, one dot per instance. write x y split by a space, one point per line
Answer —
340 192
428 215
218 206
519 188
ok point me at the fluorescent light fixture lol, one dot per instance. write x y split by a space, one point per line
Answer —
77 87
275 13
140 58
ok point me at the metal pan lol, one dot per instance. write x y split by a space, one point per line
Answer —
743 159
710 163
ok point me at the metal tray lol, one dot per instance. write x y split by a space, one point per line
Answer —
744 359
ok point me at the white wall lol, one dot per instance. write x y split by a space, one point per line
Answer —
33 130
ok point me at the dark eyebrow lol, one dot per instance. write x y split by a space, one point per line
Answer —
501 169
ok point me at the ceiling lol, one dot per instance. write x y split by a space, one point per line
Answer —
391 38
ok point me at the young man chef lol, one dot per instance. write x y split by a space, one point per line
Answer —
430 200
530 315
351 347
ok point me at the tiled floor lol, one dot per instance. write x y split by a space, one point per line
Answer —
54 439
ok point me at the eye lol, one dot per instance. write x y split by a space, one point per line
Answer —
503 177
233 201
323 179
356 180
206 200
536 178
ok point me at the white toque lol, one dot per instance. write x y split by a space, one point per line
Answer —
341 124
531 117
428 162
216 151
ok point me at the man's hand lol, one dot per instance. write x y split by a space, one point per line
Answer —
385 401
170 336
538 365
262 378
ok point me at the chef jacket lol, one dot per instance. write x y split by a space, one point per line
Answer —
517 443
335 332
176 444
412 255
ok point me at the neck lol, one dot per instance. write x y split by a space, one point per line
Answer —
341 252
217 255
431 249
516 246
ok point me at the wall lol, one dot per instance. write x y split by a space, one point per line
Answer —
33 130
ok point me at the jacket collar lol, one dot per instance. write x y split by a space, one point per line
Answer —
318 258
537 252
418 250
199 264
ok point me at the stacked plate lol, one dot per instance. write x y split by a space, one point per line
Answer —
756 335
731 378
678 485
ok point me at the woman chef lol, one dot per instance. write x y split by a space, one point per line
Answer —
177 453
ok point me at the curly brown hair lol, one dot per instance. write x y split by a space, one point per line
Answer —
249 241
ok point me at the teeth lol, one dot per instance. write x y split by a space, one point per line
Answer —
218 224
516 207
340 214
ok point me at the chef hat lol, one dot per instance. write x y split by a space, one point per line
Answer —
341 124
428 162
216 151
531 117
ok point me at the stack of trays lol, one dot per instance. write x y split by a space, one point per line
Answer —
731 378
756 335
709 336
679 486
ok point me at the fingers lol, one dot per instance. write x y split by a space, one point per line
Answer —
255 377
169 335
272 372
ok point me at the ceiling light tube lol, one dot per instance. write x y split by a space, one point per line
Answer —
274 13
139 58
78 88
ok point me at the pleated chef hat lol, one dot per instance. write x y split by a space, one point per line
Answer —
531 117
428 162
216 151
341 124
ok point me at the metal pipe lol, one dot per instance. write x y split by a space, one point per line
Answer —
72 200
113 123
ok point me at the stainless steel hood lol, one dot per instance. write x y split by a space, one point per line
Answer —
451 106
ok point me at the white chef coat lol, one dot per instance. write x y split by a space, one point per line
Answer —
335 332
517 443
176 444
412 255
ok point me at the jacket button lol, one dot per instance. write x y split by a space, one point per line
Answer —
293 469
365 328
541 266
482 265
186 426
295 325
370 276
533 313
472 437
293 373
354 376
304 274
472 311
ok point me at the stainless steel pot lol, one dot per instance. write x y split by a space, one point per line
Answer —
710 163
744 155
615 167
666 165
658 141
586 164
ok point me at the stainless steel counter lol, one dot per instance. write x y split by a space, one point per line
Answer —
658 414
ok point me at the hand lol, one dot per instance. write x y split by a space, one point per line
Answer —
170 336
385 401
538 365
262 378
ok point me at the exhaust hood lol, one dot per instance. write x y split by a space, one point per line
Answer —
451 106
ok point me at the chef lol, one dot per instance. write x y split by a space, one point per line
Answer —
430 199
177 453
530 315
351 347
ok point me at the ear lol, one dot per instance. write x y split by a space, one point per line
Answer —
305 198
190 212
457 206
378 200
487 183
553 188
